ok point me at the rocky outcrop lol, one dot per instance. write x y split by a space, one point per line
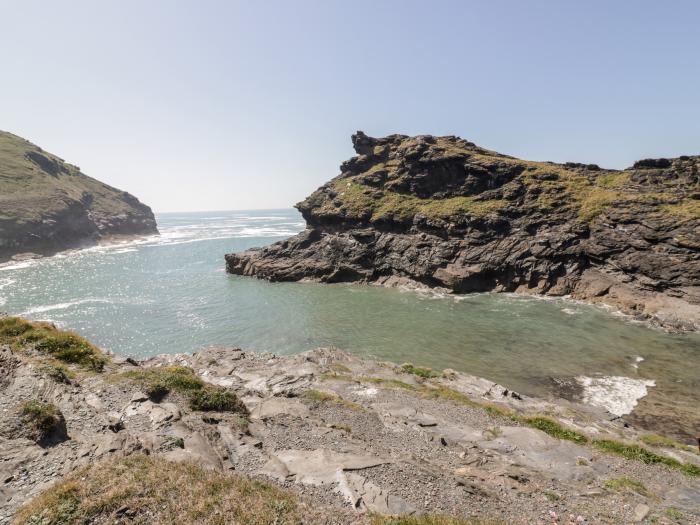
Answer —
443 212
353 435
48 205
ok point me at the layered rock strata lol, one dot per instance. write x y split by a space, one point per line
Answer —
443 212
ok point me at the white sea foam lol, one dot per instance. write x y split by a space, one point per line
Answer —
18 265
617 394
61 306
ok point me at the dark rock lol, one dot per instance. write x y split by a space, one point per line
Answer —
440 211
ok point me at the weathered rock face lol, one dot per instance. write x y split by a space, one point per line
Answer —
443 212
351 435
47 205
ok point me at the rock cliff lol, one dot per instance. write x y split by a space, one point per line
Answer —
443 212
48 205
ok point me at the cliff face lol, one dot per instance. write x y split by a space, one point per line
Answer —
443 212
47 205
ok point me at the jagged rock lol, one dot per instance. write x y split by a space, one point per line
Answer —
443 212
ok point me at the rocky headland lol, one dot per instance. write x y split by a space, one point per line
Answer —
48 205
227 436
443 212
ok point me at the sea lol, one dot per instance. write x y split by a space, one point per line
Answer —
170 294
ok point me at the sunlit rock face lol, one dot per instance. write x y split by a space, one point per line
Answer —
443 212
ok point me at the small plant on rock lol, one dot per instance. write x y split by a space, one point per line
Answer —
216 399
419 371
41 420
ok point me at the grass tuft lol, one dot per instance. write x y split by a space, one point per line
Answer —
57 372
625 484
158 382
46 338
635 452
319 396
554 429
655 440
148 489
216 399
40 419
419 371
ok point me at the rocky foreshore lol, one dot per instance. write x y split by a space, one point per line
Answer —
349 440
443 212
48 205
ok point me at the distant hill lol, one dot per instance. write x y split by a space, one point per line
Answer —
48 205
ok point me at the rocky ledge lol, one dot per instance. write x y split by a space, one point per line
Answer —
48 205
443 212
349 440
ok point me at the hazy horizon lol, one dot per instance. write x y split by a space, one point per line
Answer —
217 105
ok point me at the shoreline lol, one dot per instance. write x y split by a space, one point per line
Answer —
344 433
107 241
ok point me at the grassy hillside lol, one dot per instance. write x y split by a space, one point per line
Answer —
47 204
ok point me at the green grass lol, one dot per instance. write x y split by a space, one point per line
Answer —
57 372
625 484
39 418
638 453
158 382
655 440
542 423
47 339
419 371
674 513
551 496
30 193
361 202
216 399
159 492
319 396
688 209
554 429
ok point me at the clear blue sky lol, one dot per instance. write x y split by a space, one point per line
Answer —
205 105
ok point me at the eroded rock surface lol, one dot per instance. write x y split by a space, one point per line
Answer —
443 212
356 435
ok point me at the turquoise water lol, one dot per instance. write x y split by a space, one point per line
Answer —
170 294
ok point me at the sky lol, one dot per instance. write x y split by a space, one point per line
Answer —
219 105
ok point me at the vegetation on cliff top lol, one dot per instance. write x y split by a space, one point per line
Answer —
34 183
48 340
445 178
48 205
